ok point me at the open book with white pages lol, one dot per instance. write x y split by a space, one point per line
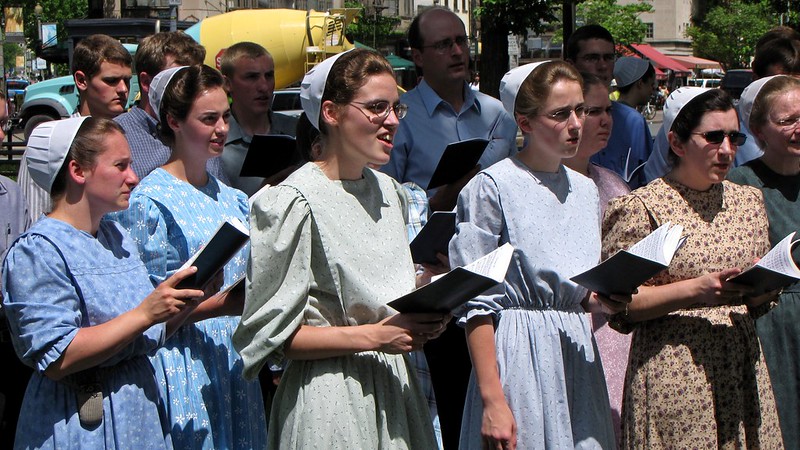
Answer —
626 270
776 270
451 290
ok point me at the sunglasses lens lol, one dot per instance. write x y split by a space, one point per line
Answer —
714 137
738 138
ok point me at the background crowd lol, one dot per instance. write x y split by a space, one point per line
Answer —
293 345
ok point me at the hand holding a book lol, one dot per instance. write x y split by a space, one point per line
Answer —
431 270
402 333
445 197
166 301
714 289
610 304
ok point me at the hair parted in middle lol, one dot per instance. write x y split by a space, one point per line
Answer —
180 94
536 88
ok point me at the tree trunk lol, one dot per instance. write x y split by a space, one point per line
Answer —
494 56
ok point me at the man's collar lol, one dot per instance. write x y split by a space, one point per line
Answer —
431 100
235 132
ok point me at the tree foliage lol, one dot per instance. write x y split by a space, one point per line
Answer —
10 53
730 32
498 18
366 28
622 21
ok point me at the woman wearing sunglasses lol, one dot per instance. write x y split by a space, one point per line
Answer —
536 381
770 109
696 376
328 252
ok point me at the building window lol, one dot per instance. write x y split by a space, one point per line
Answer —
648 34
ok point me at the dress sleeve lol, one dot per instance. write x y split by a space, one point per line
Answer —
625 223
479 225
278 277
148 228
40 301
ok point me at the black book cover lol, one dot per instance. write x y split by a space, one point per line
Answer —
212 257
458 159
268 154
434 237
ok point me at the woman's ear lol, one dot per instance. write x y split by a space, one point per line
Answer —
524 124
76 172
329 113
678 147
173 123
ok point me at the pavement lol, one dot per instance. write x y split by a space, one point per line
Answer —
655 124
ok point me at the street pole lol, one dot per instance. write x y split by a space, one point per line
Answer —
173 14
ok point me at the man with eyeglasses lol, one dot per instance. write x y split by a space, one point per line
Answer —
443 109
591 49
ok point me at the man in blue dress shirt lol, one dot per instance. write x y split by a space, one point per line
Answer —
443 109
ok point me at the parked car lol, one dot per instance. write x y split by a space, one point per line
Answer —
57 98
735 81
704 82
15 92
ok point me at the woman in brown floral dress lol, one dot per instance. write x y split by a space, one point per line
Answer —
696 375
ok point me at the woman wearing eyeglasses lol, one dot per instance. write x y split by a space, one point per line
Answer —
696 375
328 252
537 381
770 109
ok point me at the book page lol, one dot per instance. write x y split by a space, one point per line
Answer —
780 260
660 245
494 265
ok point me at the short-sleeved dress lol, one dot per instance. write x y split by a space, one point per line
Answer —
547 358
779 329
56 280
332 253
696 377
209 403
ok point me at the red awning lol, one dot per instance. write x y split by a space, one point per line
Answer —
695 62
660 60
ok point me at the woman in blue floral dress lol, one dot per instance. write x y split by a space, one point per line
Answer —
80 307
173 212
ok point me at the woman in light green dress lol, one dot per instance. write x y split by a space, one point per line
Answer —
328 251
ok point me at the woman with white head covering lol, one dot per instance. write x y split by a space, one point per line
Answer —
771 109
328 252
696 377
174 211
537 381
81 310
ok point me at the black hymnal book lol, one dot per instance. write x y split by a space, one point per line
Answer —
626 270
229 238
449 291
458 159
434 237
268 154
777 269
